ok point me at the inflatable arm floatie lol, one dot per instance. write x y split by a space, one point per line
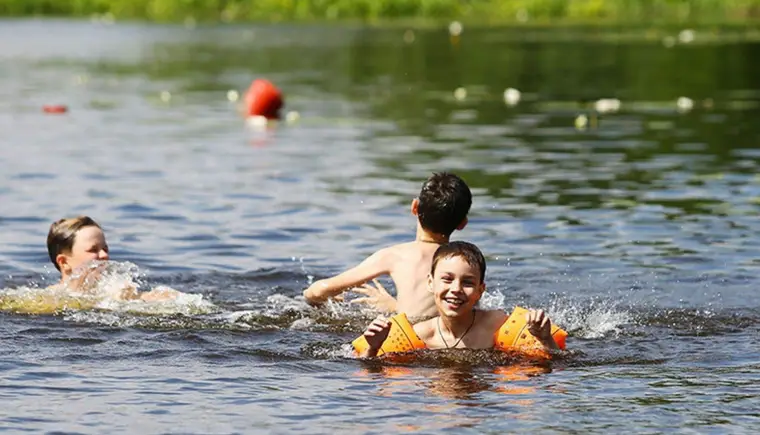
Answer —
512 335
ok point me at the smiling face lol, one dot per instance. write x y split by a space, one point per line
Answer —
456 285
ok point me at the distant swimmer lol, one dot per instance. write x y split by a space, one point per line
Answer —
77 247
440 209
456 281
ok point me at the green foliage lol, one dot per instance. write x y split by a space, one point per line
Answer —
488 10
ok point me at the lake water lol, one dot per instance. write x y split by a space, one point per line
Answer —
636 229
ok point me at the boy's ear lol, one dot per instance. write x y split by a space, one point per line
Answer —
430 283
462 224
415 206
63 262
481 290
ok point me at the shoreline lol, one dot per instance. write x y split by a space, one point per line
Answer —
486 13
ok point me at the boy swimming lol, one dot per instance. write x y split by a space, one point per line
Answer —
441 207
456 281
73 244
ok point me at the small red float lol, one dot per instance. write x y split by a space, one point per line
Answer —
55 108
263 99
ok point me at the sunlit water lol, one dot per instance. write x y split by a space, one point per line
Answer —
636 229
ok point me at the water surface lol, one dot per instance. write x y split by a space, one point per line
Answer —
637 232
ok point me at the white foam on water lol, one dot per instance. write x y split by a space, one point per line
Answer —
279 303
100 318
343 351
594 319
100 286
187 304
590 319
302 324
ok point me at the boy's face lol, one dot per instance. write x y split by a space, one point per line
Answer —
456 286
89 244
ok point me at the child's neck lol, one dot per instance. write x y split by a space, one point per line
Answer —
459 325
426 236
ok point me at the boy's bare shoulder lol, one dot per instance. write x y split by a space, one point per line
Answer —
391 250
411 251
494 318
397 253
400 248
425 329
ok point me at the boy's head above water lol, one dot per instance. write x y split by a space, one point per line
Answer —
467 252
443 204
72 242
457 278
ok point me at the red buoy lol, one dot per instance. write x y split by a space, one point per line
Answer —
263 99
55 108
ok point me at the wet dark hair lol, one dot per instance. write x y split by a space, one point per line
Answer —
469 252
63 233
445 200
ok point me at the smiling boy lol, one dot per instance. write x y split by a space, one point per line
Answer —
456 281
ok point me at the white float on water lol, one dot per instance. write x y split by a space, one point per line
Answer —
512 96
460 94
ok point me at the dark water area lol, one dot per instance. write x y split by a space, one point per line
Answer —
632 220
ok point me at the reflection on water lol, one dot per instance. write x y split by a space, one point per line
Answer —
618 191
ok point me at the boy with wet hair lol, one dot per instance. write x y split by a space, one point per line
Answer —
456 281
441 208
73 243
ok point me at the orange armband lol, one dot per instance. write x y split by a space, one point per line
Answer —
401 338
514 335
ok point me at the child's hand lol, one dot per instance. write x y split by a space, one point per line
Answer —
539 325
313 296
376 333
377 296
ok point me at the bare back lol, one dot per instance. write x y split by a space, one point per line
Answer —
409 268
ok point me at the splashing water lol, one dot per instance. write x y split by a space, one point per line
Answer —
583 319
589 320
100 286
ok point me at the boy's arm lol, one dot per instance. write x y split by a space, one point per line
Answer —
160 294
374 266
